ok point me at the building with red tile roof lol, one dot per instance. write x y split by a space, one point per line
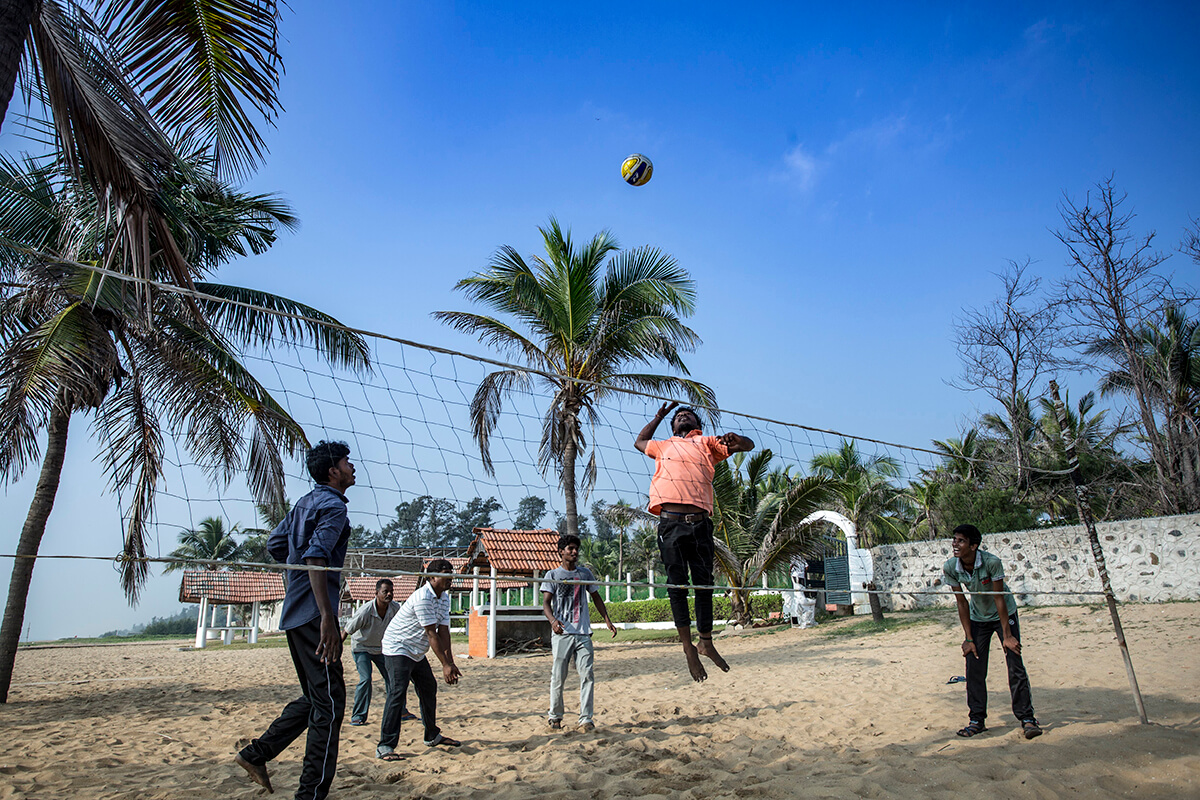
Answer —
231 587
513 552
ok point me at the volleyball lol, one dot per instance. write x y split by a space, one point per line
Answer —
636 170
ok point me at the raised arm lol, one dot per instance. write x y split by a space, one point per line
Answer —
647 433
736 443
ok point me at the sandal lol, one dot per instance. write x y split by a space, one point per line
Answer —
1031 728
444 741
973 727
389 756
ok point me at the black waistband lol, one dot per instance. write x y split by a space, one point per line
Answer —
696 516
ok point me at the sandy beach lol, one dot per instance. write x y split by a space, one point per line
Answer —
802 714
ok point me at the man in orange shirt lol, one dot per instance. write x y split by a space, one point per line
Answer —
681 494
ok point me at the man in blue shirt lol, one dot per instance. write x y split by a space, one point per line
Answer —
985 614
315 532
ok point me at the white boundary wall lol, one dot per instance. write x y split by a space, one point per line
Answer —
1149 560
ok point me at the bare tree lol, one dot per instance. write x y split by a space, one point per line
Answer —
1005 347
1115 288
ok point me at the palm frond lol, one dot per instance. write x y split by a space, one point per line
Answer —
206 65
261 328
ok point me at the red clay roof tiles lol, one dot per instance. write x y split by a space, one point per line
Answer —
230 586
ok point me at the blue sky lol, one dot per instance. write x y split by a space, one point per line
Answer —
839 181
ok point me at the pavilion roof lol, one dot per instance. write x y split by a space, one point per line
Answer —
513 552
230 586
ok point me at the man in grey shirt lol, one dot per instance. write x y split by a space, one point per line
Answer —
368 625
565 605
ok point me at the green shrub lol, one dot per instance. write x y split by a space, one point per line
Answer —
659 610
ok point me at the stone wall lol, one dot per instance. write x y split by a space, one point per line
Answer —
1149 560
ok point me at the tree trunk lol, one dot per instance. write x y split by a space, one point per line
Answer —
18 14
740 603
876 606
31 540
620 554
570 451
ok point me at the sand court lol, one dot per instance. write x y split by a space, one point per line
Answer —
803 713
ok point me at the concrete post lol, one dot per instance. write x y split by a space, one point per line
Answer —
252 636
492 595
201 624
628 586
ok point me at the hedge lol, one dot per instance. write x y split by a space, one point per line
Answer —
659 610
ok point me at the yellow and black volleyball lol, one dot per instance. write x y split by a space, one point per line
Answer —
636 170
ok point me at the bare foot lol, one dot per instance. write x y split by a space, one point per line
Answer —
257 773
693 661
707 649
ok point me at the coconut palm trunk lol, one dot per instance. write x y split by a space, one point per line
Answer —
16 16
570 451
31 540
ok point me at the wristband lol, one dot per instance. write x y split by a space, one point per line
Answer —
969 641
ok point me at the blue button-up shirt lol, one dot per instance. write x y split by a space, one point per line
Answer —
317 527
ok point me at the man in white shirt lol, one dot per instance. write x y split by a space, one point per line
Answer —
423 622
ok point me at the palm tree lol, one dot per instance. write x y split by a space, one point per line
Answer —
961 456
205 68
141 362
865 494
759 521
924 494
585 324
1095 445
1171 356
208 542
1016 432
622 516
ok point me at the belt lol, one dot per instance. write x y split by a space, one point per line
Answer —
698 516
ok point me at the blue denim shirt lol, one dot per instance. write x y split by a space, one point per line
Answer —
317 527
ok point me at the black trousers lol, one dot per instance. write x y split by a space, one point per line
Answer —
319 710
977 668
687 547
404 670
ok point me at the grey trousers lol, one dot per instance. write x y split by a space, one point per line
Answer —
566 647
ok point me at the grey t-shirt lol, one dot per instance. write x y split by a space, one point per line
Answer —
570 600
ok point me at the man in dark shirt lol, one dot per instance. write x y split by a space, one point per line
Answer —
315 532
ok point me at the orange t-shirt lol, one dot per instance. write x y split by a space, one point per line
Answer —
683 470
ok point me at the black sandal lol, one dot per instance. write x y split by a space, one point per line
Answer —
1031 728
973 728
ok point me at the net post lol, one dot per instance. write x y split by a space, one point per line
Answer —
1085 516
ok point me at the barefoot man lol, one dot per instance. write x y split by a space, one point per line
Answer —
681 494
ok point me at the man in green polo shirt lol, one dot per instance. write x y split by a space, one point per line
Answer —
984 614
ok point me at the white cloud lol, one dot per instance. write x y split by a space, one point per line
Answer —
800 168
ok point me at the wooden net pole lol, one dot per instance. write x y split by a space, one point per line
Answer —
1089 522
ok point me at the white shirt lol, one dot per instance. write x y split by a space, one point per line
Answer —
405 634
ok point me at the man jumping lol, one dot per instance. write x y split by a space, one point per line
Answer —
681 494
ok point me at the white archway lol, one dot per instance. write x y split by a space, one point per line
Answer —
862 569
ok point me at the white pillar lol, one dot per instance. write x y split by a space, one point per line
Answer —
628 586
475 589
201 624
492 611
606 588
252 636
227 637
765 581
651 582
